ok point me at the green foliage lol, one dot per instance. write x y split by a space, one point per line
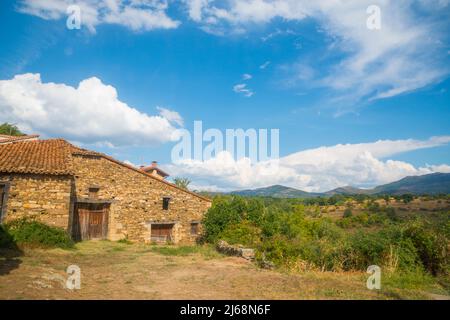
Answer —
10 129
407 198
432 246
182 183
287 234
347 213
227 211
244 233
124 241
34 233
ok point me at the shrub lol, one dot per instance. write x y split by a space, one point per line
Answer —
347 213
243 233
228 211
224 212
124 241
392 214
432 247
286 234
34 233
407 198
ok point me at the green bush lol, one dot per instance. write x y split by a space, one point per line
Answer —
34 233
432 247
244 233
347 213
286 234
227 211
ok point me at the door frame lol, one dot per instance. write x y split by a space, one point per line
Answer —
77 233
6 185
167 223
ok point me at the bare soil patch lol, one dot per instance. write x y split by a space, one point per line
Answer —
122 271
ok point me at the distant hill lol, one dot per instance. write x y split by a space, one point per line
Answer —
435 183
276 191
347 190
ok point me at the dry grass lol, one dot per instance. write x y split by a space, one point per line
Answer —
122 271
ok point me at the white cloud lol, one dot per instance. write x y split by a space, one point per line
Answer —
90 113
195 8
264 65
405 55
137 15
170 115
128 162
246 76
242 88
320 169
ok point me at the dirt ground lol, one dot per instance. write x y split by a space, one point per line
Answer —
123 271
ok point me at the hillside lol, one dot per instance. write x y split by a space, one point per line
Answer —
435 183
276 191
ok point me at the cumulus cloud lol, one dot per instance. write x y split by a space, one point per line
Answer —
242 88
319 169
404 55
136 14
171 115
246 76
90 113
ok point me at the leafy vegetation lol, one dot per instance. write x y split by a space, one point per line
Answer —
291 233
10 129
33 233
182 183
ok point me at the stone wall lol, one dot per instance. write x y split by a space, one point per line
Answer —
137 200
45 197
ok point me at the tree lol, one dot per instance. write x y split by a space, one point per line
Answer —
10 129
182 183
348 213
407 198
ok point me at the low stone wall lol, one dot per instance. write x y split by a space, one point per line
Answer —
239 251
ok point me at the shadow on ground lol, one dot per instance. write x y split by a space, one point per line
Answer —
10 253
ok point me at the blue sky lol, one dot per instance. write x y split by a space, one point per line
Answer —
317 74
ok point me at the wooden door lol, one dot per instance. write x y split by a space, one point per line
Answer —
91 221
162 232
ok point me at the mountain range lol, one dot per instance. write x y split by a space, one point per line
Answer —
435 183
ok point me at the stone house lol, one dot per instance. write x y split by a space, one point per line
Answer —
94 196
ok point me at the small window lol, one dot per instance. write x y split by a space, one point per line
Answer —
194 228
93 192
166 201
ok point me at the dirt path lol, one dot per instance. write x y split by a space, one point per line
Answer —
120 271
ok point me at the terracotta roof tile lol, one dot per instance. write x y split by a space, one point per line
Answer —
54 157
39 156
8 139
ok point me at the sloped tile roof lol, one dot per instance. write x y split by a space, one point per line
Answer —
54 157
8 139
41 157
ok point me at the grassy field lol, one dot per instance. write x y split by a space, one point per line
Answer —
111 270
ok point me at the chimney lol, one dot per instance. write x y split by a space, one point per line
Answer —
154 163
